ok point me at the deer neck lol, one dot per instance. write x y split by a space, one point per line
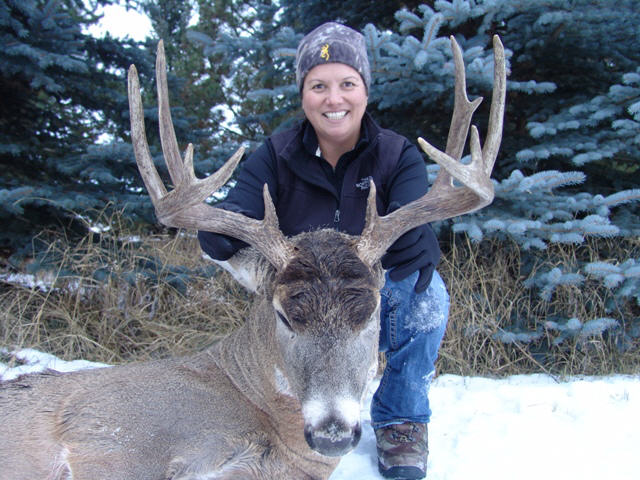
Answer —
249 359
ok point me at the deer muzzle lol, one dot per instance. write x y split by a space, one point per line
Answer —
332 429
333 438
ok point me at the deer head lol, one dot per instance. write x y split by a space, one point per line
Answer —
323 287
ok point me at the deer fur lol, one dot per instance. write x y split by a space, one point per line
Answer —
234 411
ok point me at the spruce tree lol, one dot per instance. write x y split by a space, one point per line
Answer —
59 97
243 40
304 15
64 123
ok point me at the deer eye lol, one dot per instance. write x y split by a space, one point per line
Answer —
284 320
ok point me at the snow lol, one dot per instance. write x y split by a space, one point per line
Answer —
28 280
521 427
33 361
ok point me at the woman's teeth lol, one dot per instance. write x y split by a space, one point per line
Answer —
335 115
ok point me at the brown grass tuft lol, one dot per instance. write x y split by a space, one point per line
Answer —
126 316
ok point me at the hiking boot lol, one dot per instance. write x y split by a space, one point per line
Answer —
403 450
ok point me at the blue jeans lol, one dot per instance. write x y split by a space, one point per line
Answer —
412 327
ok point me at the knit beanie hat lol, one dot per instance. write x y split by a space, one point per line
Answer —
332 43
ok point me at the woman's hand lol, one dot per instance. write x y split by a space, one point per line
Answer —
416 250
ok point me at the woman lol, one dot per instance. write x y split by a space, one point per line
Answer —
318 174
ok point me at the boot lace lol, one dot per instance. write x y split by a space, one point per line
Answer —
405 434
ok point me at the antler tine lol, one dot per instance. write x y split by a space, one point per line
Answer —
496 114
463 109
184 206
150 176
168 138
182 174
444 200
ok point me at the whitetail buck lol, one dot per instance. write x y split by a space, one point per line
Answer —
280 397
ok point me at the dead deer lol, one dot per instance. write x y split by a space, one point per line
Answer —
280 397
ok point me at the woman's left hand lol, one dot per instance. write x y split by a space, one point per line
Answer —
416 250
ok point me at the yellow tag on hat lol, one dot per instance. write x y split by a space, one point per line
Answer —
324 53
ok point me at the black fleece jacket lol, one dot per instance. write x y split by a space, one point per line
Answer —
309 194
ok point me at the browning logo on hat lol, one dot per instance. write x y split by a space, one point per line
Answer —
324 53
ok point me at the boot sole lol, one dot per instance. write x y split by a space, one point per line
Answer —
401 473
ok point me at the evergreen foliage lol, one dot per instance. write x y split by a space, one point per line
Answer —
305 15
195 90
249 52
62 90
64 121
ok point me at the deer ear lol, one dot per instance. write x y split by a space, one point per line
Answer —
249 268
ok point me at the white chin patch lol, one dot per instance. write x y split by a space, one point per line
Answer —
282 384
314 411
346 409
350 410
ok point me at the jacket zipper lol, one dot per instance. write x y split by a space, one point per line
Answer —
336 216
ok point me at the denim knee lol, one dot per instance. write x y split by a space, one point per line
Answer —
405 313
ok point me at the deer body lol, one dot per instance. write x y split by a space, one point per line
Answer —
231 411
81 425
279 398
89 432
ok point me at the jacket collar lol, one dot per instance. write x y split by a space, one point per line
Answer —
306 135
300 152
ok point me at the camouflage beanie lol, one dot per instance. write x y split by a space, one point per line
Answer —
332 43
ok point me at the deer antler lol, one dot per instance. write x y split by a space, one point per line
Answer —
185 206
444 200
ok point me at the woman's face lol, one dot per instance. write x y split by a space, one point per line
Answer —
334 98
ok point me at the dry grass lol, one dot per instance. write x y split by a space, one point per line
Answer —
127 316
487 294
140 313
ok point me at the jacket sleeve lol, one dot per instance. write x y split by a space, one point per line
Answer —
246 198
417 249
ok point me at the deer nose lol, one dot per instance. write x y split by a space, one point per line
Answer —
333 438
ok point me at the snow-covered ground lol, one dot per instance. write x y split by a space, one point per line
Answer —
524 427
519 428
